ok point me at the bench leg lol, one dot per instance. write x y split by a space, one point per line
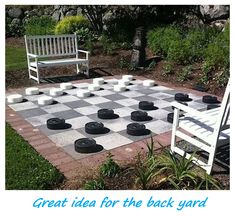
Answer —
78 69
87 70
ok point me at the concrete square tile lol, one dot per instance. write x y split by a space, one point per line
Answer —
131 94
68 114
124 111
117 124
127 102
77 104
159 126
87 110
39 120
55 108
79 122
96 100
160 88
48 132
65 138
111 141
104 92
110 105
115 97
23 106
32 112
158 114
67 98
160 95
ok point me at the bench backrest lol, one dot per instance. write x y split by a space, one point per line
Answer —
51 45
223 116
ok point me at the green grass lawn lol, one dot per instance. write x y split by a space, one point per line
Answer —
15 58
25 168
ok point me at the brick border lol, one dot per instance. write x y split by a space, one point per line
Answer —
69 166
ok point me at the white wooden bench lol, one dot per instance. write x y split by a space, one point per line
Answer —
54 50
206 130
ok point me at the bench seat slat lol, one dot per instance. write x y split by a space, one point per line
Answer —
58 62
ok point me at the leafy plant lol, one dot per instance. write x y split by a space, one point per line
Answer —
109 168
185 73
145 171
208 182
43 25
123 63
168 69
179 169
95 185
150 146
71 24
152 65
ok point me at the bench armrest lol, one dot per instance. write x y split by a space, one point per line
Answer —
83 51
192 112
32 55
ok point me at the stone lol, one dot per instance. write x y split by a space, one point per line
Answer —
32 91
56 91
66 86
45 100
15 98
15 12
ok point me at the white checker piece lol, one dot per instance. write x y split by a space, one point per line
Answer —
112 141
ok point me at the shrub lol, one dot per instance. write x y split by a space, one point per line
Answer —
185 73
14 28
95 185
71 24
43 25
160 39
109 168
168 69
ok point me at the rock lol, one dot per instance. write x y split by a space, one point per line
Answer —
15 12
56 15
71 13
214 12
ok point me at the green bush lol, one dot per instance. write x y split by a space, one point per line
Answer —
109 168
43 25
14 28
71 24
160 39
95 184
168 68
217 57
185 73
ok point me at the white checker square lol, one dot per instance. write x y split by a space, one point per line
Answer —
160 95
39 120
194 97
140 82
124 111
112 141
103 92
88 110
161 88
127 102
55 108
117 124
23 106
79 122
161 103
158 126
66 98
96 100
71 91
158 114
66 138
131 94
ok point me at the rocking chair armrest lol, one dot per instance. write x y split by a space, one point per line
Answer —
192 112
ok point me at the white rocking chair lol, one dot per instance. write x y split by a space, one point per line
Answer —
208 129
